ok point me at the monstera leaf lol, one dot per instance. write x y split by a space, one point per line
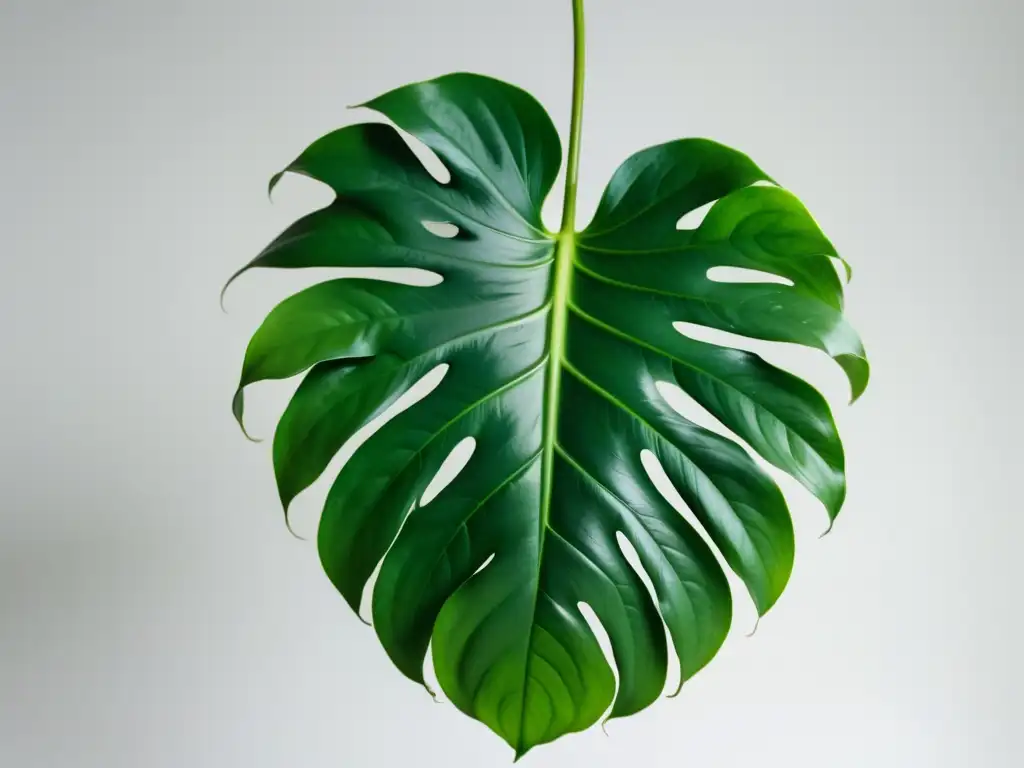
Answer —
554 344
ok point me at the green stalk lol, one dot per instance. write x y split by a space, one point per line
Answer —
576 125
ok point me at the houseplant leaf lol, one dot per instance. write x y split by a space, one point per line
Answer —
554 344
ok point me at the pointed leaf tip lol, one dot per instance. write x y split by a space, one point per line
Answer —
273 183
848 268
286 506
858 371
288 525
678 690
224 290
238 409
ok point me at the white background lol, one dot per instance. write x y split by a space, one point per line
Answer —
155 612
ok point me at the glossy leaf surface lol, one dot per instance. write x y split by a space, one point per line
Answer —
554 346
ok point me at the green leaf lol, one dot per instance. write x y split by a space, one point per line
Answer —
555 344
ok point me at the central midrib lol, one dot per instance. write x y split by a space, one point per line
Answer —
559 303
563 267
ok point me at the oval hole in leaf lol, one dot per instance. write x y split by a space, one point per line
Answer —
484 564
450 468
693 219
659 478
744 275
423 278
443 229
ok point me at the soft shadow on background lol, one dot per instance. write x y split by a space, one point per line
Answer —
155 612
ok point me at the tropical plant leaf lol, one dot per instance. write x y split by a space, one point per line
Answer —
555 344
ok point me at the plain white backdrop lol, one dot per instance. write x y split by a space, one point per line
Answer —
155 612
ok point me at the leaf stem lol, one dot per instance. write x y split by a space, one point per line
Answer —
576 125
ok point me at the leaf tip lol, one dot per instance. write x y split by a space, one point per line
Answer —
288 525
238 409
273 183
521 752
858 372
286 502
224 290
848 268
